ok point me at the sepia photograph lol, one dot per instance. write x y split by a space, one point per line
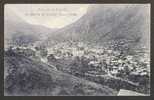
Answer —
77 49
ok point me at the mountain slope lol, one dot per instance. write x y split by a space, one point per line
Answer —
103 23
24 76
16 28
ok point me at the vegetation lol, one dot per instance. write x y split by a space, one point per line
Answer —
114 63
27 77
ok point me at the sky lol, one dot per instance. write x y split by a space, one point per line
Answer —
49 15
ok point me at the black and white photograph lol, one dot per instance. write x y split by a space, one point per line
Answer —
77 49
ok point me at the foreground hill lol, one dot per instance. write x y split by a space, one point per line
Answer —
24 76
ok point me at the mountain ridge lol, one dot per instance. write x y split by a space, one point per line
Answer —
127 22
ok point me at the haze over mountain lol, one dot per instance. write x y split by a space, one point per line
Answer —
103 23
16 28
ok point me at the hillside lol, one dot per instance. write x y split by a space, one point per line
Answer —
24 76
20 32
103 23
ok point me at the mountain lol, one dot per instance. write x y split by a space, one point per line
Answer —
103 23
26 77
18 30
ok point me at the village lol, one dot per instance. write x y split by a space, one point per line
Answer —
86 61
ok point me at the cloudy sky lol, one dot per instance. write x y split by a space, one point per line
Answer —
50 15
